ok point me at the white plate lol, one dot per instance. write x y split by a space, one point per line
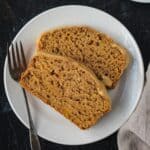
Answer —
50 124
141 1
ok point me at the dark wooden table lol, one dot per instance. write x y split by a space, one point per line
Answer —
15 13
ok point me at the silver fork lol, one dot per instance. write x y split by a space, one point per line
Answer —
17 64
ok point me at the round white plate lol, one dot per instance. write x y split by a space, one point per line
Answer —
51 125
141 1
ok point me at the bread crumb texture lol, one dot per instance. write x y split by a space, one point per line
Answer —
66 85
96 50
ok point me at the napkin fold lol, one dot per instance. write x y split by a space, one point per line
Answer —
135 133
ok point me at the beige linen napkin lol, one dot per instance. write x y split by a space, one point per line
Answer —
135 134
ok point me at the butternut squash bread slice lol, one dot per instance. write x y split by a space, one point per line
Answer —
68 87
100 53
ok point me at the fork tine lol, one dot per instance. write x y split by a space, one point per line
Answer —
23 56
18 56
9 59
13 56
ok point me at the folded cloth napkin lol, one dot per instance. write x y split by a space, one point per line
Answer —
135 133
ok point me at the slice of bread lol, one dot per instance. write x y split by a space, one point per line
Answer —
96 50
67 86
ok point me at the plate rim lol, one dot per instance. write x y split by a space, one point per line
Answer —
141 66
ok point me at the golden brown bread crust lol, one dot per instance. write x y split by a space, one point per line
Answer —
100 53
67 86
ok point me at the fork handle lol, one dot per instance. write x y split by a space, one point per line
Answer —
34 140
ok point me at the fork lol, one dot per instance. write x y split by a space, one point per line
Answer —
17 64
